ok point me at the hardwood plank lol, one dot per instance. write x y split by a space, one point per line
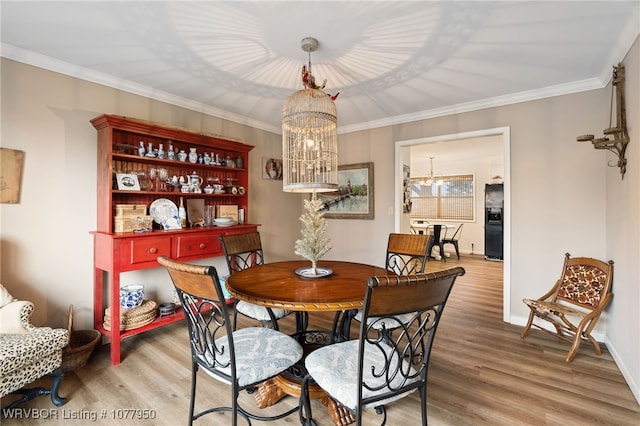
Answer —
481 373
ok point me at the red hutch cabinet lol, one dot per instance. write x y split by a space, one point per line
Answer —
115 252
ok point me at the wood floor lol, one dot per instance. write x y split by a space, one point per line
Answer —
481 373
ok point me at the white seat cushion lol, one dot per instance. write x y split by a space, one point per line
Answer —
261 353
259 312
335 369
390 324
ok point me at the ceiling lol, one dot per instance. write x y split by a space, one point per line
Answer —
391 62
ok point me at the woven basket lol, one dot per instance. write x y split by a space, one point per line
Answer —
81 345
133 318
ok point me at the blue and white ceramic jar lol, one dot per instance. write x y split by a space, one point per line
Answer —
131 296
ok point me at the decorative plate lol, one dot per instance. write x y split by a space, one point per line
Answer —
310 273
233 222
162 210
223 220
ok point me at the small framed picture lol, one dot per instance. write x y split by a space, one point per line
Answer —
271 168
127 182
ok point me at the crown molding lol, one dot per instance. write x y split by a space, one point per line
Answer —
530 95
62 67
55 65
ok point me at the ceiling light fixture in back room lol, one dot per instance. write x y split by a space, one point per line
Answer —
432 179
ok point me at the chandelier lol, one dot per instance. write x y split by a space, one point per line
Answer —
432 179
310 135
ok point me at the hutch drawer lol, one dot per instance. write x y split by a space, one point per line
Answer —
148 249
197 245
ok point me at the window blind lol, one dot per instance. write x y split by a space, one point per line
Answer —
449 198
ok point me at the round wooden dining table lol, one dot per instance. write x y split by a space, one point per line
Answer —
278 285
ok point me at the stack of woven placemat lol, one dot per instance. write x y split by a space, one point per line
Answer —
135 317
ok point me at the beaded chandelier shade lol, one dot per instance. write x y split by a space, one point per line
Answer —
310 136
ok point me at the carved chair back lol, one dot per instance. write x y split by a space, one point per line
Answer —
407 253
242 251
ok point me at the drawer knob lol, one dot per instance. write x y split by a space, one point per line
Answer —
153 250
202 245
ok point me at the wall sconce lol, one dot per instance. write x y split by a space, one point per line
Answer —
618 134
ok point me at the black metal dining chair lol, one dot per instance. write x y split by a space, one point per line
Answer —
242 251
242 358
406 254
373 370
453 240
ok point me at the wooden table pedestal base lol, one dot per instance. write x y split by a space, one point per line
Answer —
273 390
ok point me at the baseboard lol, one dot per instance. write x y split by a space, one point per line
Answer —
628 377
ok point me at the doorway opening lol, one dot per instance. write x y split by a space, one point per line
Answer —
403 158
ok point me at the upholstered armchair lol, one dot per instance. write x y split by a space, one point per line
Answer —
27 352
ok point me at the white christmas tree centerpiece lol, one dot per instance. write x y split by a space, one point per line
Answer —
314 243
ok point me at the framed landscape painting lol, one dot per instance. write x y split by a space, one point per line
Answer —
354 198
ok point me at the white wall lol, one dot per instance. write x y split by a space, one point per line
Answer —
46 249
622 225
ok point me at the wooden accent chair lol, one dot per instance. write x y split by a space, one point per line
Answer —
241 358
245 251
453 240
575 303
373 371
